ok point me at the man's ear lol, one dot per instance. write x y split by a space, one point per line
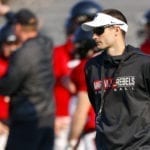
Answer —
117 30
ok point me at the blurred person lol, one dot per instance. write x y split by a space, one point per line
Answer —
145 45
8 44
29 83
64 88
118 85
82 130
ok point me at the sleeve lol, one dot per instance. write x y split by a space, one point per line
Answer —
146 73
80 78
60 60
89 87
16 73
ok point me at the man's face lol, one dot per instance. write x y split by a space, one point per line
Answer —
19 32
104 36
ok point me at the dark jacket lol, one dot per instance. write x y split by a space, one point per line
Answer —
124 123
29 82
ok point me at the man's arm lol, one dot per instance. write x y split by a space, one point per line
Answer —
16 73
89 89
79 118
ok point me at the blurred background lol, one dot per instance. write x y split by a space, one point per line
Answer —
52 14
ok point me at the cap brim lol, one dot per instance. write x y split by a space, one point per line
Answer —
88 26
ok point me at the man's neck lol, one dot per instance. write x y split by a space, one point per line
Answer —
116 50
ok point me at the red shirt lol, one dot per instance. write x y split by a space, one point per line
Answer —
78 78
4 105
145 47
61 57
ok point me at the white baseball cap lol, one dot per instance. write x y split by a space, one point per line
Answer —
103 19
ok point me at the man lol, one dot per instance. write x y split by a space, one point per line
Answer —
64 88
8 44
118 82
29 82
82 130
